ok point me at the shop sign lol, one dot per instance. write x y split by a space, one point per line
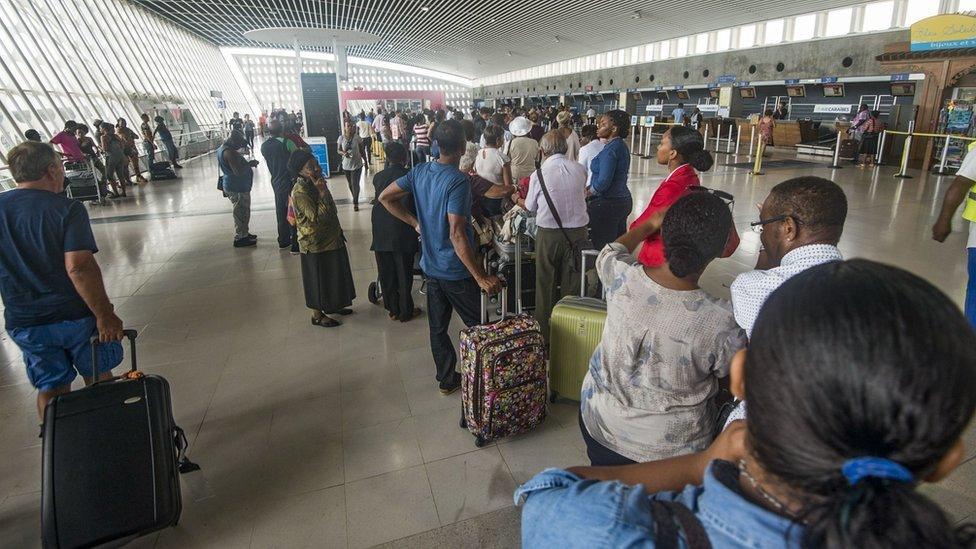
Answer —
944 32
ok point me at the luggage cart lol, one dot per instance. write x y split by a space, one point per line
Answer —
375 291
508 260
81 181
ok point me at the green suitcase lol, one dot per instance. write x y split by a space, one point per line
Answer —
575 329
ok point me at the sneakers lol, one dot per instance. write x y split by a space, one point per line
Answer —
284 247
451 386
245 243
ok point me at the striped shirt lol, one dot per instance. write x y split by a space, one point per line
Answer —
420 131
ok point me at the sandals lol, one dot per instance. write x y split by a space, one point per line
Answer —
325 322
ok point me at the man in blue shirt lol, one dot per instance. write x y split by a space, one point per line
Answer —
51 285
455 277
679 114
237 178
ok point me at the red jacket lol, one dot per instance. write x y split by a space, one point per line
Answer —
671 189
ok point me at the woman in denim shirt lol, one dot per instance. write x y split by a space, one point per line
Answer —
852 404
610 201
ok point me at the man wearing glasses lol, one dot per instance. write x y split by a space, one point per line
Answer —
800 224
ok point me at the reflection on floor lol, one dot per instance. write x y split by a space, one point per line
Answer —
339 438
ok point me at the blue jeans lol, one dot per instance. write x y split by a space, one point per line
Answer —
56 353
971 288
443 298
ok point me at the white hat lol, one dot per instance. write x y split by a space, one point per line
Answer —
520 126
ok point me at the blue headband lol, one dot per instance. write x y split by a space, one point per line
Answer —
858 469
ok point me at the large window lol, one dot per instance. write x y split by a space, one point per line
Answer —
747 36
55 71
774 32
920 9
877 16
838 22
723 39
804 27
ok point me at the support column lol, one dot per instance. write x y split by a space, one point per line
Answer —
298 81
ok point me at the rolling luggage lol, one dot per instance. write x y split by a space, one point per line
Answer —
848 149
112 457
575 329
503 376
160 171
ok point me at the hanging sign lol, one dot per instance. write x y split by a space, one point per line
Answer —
944 32
829 108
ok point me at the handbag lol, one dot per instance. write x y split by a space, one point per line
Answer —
290 216
575 247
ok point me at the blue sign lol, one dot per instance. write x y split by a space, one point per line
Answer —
726 79
792 81
743 84
658 88
680 87
901 77
321 153
828 80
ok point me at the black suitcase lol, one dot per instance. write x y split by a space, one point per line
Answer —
112 459
160 171
82 186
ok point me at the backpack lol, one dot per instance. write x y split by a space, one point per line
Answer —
668 517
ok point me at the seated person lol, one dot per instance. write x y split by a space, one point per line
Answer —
852 404
491 163
652 379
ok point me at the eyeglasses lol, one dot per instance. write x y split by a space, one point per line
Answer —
757 226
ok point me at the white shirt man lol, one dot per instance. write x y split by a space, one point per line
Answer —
566 182
378 123
590 113
586 155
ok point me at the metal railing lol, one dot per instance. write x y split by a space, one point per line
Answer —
188 145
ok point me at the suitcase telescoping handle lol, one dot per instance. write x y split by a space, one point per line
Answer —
585 253
503 296
130 335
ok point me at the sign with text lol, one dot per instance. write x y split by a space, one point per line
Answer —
828 108
901 77
726 79
708 108
792 81
828 80
654 108
944 32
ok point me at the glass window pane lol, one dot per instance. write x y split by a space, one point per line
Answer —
920 9
747 36
681 49
774 32
723 39
701 43
967 5
665 49
804 27
877 16
838 22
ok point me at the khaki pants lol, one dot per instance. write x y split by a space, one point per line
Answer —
554 274
242 213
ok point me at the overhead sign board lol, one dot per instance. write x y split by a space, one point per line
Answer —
901 77
828 80
944 32
726 79
708 108
654 108
792 81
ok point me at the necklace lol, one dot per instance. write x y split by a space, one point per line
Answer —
766 495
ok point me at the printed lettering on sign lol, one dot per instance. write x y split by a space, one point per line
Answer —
832 109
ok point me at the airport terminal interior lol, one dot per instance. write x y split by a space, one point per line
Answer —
315 436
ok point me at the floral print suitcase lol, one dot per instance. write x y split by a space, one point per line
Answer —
503 378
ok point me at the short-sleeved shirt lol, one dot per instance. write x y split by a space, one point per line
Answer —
489 165
36 229
649 390
438 190
164 132
679 115
69 144
276 152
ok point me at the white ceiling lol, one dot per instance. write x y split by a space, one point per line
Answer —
472 38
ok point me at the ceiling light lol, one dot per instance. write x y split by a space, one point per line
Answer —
509 53
424 8
636 15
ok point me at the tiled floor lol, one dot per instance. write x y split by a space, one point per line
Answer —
339 438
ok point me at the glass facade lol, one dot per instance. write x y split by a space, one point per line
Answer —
104 59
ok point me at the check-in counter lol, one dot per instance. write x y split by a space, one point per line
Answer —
789 133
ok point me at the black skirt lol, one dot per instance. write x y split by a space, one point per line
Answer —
328 282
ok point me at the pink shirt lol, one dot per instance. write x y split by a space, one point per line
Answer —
69 144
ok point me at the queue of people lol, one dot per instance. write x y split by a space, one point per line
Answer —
820 448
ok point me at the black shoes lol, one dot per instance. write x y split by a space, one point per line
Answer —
245 243
451 385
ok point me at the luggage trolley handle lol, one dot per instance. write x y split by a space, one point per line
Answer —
583 255
131 335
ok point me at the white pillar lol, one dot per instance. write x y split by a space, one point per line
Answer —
898 13
298 81
857 19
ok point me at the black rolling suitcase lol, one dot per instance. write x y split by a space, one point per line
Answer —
112 459
159 171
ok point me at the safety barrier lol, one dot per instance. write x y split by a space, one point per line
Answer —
910 136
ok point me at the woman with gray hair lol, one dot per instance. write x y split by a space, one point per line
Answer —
561 219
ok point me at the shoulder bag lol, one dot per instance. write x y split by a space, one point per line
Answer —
575 247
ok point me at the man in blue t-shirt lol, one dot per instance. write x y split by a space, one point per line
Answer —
51 285
455 277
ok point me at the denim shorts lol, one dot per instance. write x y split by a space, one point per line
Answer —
56 353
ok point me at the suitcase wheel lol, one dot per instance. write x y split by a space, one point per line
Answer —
372 294
463 423
480 441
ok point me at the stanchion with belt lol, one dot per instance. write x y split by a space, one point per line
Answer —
705 139
728 145
836 165
718 137
879 156
640 151
903 170
757 167
752 137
